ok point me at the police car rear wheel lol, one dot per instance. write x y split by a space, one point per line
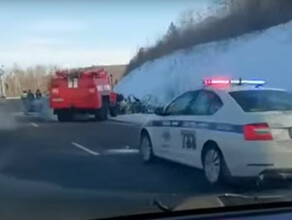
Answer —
146 149
213 165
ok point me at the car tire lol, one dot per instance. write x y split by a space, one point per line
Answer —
214 166
146 150
102 114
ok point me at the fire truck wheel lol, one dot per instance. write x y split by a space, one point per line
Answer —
114 111
62 117
102 114
65 116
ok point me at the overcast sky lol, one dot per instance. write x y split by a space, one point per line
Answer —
83 33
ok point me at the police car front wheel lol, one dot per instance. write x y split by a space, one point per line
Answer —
146 149
213 164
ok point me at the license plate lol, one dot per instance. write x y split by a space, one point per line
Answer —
58 100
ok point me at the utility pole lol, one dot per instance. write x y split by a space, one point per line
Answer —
3 92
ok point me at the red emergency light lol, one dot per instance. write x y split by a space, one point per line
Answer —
209 82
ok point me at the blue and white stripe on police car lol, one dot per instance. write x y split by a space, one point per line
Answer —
226 127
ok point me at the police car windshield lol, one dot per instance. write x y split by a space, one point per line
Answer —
263 100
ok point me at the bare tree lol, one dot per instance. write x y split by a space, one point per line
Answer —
19 79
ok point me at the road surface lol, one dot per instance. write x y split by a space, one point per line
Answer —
81 170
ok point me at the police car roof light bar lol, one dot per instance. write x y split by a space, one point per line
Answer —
210 82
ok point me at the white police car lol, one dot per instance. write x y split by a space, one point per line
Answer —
228 128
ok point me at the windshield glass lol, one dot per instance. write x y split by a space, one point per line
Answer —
120 107
263 100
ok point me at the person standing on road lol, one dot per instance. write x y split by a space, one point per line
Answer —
38 94
38 103
30 95
24 94
30 99
24 101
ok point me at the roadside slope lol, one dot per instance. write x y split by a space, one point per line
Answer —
262 55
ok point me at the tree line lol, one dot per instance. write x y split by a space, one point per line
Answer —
17 79
232 19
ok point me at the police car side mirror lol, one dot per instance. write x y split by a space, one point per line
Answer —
160 111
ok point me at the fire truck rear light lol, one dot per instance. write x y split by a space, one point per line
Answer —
257 132
55 91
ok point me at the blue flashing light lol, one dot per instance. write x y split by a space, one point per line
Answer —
249 82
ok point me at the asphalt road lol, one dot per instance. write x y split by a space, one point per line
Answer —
82 170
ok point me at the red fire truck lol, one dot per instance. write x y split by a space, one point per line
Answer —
82 91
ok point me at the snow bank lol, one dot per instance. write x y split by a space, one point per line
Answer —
266 55
135 119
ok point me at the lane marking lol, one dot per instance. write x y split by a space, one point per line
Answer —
34 124
220 202
85 149
124 123
121 151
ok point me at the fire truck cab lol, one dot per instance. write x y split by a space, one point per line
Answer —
82 91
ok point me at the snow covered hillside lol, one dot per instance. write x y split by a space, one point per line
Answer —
266 55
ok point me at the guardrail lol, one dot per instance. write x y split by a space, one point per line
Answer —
15 97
